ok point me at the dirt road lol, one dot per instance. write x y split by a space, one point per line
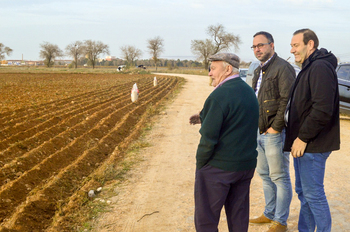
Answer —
158 193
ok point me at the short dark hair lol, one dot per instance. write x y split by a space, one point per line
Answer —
308 35
266 34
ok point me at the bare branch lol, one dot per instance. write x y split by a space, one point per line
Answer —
49 52
130 54
155 47
4 50
75 50
93 49
221 41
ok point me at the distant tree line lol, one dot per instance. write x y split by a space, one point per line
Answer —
88 51
169 63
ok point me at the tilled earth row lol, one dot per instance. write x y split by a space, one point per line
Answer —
47 151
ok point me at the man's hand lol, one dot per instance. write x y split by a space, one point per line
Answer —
298 148
271 131
195 119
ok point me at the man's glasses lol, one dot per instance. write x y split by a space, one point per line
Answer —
260 45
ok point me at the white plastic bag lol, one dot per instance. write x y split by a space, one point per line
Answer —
134 93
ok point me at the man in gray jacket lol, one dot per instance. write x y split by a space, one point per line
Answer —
272 82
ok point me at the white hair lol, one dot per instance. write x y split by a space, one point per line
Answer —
234 70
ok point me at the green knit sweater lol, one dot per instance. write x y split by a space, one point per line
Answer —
229 128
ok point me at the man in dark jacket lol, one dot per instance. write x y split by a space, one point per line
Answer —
312 132
272 82
226 154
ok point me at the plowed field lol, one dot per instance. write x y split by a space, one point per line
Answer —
57 130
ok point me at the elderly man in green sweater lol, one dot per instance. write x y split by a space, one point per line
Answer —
226 154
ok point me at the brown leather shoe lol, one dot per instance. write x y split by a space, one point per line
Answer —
261 219
277 227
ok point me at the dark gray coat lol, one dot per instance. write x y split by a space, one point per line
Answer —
278 78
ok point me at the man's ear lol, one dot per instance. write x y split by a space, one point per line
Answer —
229 69
310 45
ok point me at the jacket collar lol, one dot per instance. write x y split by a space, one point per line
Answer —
266 66
323 54
309 59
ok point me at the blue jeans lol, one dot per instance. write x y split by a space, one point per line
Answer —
273 168
309 176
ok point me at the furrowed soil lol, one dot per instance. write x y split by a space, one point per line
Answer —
62 134
157 194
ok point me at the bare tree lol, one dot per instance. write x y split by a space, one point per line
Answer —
155 47
202 49
130 54
94 49
75 50
220 41
4 50
49 52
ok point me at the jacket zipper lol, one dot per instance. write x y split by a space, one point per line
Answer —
269 100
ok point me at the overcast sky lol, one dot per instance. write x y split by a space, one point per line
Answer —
25 24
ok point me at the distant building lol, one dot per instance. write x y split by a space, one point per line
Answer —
63 62
33 62
12 62
110 58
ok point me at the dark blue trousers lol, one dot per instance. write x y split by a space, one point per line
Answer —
215 188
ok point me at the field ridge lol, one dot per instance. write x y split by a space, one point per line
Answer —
48 150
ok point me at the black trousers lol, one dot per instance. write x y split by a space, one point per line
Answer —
215 188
